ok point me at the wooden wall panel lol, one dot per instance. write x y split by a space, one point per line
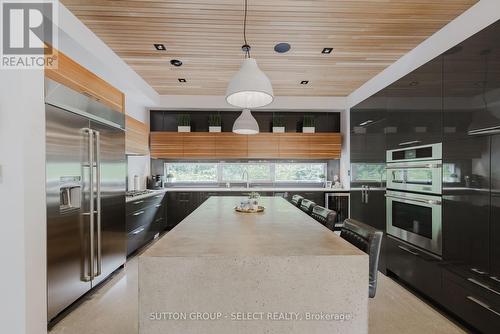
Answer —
136 137
294 146
199 145
231 145
76 77
166 145
325 145
264 146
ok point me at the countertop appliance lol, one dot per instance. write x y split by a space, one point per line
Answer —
156 182
414 196
86 173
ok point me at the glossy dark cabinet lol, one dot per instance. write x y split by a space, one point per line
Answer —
414 107
495 208
471 84
145 219
419 269
179 206
466 203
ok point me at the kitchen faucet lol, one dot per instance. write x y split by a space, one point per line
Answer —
244 176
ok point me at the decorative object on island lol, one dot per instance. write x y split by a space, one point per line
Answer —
246 124
249 87
214 123
278 124
184 123
308 124
254 199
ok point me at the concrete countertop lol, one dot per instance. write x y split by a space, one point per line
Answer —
215 229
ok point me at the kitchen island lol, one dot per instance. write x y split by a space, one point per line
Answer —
279 271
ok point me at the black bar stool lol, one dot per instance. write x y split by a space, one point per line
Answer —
369 240
325 216
307 206
297 200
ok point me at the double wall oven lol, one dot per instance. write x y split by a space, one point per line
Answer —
414 189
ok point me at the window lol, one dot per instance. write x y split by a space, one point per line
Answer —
192 172
234 172
300 172
368 172
451 173
258 172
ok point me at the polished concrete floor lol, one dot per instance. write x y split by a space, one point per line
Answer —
112 309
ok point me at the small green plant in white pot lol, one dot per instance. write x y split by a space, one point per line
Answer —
308 124
214 123
170 177
278 124
184 123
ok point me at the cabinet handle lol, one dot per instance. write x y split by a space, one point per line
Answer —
158 196
158 205
409 142
495 278
408 250
483 285
478 271
483 305
138 202
138 213
138 231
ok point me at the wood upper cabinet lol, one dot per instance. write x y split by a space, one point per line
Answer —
136 137
231 145
78 78
199 145
325 145
263 145
227 145
166 145
294 145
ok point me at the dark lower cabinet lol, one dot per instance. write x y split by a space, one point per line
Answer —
419 270
180 205
472 301
145 219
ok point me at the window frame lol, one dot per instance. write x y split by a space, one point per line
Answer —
194 163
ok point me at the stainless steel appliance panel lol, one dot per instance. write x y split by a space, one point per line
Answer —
67 227
109 186
417 176
415 218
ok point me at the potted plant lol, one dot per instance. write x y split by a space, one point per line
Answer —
254 200
308 124
278 124
184 123
214 123
170 177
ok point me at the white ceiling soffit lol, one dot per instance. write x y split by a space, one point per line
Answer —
475 19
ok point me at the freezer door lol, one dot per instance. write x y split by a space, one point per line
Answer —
67 227
110 176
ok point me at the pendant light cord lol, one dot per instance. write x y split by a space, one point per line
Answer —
247 51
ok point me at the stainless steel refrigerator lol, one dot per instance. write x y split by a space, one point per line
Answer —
86 173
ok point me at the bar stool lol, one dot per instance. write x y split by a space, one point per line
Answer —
369 240
325 216
296 200
307 206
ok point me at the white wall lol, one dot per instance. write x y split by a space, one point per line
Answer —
22 203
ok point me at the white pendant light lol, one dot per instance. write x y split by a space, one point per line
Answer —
249 87
246 124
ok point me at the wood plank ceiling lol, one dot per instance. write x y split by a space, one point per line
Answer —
206 35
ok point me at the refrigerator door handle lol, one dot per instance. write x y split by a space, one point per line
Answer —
91 203
97 136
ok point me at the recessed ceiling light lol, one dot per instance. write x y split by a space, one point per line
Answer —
182 80
160 47
327 50
304 82
176 62
282 47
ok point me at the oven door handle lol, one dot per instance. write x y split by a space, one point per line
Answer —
414 166
426 201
